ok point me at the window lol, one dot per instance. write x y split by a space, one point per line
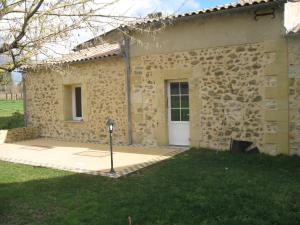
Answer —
179 101
77 103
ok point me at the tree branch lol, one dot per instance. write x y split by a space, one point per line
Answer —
14 44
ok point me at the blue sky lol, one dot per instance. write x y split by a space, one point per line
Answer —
143 7
210 3
184 5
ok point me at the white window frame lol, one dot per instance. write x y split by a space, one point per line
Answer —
74 104
169 100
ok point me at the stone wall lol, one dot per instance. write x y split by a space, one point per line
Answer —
229 95
294 95
236 92
18 134
103 96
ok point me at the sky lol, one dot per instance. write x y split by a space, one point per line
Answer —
140 8
174 5
210 3
143 7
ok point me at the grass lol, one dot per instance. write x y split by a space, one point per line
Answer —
7 108
11 114
197 187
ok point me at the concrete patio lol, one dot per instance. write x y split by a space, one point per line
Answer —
83 157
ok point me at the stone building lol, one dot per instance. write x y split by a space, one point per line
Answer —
199 79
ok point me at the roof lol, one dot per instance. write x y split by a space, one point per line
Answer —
92 53
220 8
217 9
97 52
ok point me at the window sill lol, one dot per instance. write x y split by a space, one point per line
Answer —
73 121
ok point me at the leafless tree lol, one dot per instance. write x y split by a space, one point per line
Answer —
5 79
30 28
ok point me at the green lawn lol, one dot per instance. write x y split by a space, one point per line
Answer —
7 108
197 187
10 114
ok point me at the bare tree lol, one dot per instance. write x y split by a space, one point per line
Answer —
35 27
5 78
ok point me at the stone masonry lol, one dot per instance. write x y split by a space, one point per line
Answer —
294 95
103 93
18 134
233 95
226 88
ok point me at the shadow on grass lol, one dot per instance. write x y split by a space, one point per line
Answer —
196 187
14 121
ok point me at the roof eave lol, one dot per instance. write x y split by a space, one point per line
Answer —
223 10
49 65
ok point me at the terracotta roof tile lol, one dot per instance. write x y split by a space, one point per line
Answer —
97 52
213 9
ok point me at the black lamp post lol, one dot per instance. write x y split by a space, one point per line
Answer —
110 124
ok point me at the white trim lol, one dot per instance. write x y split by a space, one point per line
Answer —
179 131
169 100
74 102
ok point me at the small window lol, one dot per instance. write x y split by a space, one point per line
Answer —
77 103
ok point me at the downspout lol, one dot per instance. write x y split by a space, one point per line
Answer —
126 52
24 98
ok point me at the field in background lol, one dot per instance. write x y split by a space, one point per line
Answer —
7 108
11 114
11 96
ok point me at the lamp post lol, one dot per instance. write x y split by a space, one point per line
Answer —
110 124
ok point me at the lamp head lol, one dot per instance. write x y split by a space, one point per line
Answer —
110 124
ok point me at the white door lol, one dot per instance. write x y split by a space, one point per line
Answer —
178 113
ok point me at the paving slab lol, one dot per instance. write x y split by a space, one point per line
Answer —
85 157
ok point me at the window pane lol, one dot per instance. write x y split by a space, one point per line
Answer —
174 88
184 88
185 101
78 102
175 102
175 114
185 115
